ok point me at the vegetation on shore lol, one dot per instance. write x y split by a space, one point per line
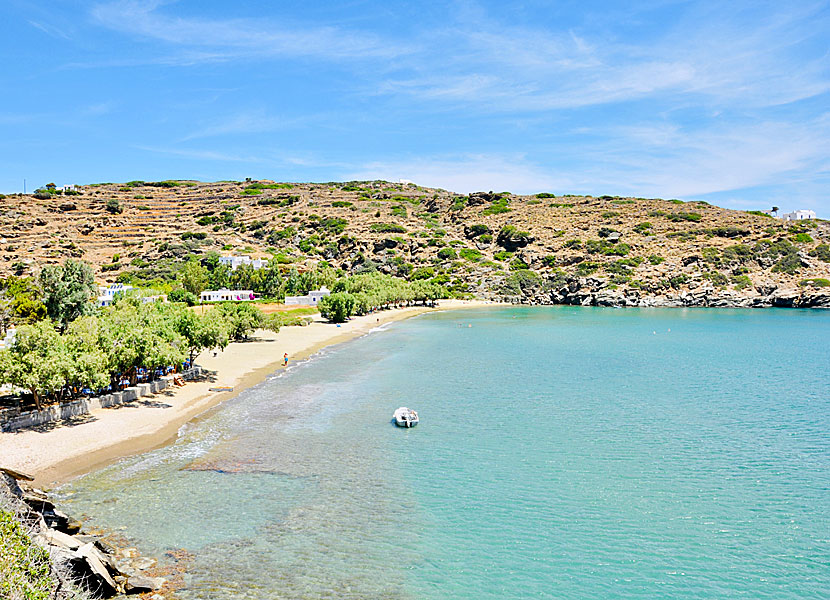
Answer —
168 235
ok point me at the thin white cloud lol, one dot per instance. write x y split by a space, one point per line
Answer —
201 154
257 121
237 38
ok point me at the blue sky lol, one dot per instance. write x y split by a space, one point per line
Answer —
723 101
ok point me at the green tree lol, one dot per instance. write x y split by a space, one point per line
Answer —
38 361
337 307
182 295
271 283
193 277
242 318
68 290
201 332
89 363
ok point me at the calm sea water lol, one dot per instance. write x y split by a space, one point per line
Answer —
563 452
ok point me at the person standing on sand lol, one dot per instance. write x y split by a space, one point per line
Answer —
285 360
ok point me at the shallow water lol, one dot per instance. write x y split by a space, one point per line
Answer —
563 452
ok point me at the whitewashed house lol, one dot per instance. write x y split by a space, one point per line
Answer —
8 340
799 215
106 295
225 295
310 299
236 261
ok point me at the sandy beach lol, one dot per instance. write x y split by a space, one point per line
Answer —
67 450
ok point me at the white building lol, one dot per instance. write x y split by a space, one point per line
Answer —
106 295
235 261
311 299
799 215
8 340
225 295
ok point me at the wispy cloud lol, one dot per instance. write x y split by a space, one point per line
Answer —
237 38
255 121
712 57
197 154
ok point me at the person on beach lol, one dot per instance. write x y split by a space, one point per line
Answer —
285 360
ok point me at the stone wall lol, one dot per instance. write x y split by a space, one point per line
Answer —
12 419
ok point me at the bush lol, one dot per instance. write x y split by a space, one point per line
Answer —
114 206
549 260
447 254
387 228
545 195
502 255
678 280
822 252
587 268
684 216
194 235
470 254
25 568
521 282
517 264
497 207
573 244
815 282
741 282
341 204
182 295
337 307
486 238
802 238
477 230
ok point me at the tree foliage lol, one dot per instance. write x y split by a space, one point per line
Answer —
68 290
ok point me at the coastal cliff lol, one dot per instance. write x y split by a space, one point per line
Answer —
540 249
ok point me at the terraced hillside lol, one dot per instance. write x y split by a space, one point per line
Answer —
536 249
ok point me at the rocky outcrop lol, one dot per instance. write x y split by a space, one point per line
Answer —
78 560
591 291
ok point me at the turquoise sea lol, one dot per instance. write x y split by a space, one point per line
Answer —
563 452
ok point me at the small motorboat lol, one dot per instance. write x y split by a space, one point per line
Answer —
406 417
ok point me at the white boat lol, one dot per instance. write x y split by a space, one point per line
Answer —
406 417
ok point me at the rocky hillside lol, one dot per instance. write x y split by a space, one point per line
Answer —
537 249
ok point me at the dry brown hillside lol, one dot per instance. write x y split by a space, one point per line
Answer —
587 250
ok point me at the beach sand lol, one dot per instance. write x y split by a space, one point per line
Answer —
57 454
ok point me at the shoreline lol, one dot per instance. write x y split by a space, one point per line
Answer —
58 454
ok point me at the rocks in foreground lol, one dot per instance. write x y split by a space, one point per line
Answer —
78 560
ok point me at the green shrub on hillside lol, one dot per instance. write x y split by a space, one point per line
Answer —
521 282
802 238
497 206
447 254
545 195
387 228
470 254
815 282
822 252
25 568
684 216
114 206
741 282
586 268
